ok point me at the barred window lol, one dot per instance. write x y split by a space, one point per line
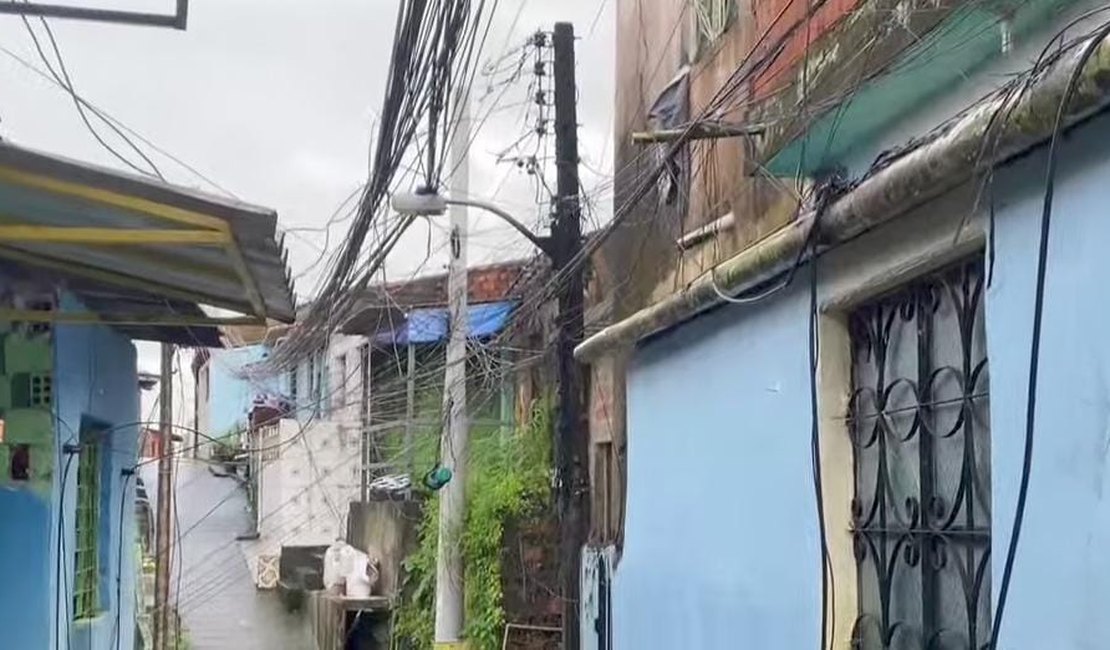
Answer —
921 441
86 594
713 18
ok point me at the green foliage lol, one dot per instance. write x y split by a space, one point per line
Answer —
508 476
225 447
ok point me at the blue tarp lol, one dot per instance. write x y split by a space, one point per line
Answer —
430 325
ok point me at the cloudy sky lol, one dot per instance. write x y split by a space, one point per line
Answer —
275 101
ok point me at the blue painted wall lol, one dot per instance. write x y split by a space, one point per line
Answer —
95 378
1062 576
230 396
25 568
721 545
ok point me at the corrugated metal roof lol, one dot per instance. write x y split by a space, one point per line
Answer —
143 237
135 313
119 306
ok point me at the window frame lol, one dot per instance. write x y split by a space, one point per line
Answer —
89 527
947 229
712 19
919 416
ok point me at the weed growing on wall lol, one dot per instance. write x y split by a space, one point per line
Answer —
509 477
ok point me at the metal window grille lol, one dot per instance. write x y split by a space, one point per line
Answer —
86 594
713 18
920 432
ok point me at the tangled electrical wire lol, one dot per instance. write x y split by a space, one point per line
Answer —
432 67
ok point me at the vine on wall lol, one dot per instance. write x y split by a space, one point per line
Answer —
509 476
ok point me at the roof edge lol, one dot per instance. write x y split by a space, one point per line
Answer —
925 170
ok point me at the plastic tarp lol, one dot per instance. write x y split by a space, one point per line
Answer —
431 324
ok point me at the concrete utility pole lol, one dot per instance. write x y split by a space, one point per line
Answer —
162 619
453 450
571 434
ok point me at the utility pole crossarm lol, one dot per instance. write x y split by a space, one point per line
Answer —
698 131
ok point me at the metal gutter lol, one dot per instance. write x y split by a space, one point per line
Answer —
945 159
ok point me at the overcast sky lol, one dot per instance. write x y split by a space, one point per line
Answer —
275 101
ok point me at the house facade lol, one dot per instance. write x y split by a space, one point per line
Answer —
90 261
361 417
827 427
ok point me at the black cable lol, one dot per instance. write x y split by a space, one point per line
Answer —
66 83
1038 313
127 476
828 602
180 557
60 547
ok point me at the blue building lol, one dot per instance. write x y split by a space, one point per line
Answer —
826 428
90 261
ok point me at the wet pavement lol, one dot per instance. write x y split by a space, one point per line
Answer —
219 605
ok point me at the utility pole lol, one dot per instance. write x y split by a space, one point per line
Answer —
162 619
571 434
453 450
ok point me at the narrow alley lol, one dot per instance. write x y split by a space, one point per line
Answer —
219 605
537 325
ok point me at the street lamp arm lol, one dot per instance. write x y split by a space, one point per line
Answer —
542 243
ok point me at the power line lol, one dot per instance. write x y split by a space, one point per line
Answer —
109 118
66 82
1095 40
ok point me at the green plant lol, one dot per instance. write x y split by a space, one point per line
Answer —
508 476
226 447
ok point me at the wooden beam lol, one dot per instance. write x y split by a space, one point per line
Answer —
109 236
254 295
701 131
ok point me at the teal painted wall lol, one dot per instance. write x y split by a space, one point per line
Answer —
955 64
25 507
94 378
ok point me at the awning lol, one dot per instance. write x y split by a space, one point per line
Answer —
430 324
159 251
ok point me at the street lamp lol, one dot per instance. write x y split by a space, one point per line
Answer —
430 204
571 443
451 473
